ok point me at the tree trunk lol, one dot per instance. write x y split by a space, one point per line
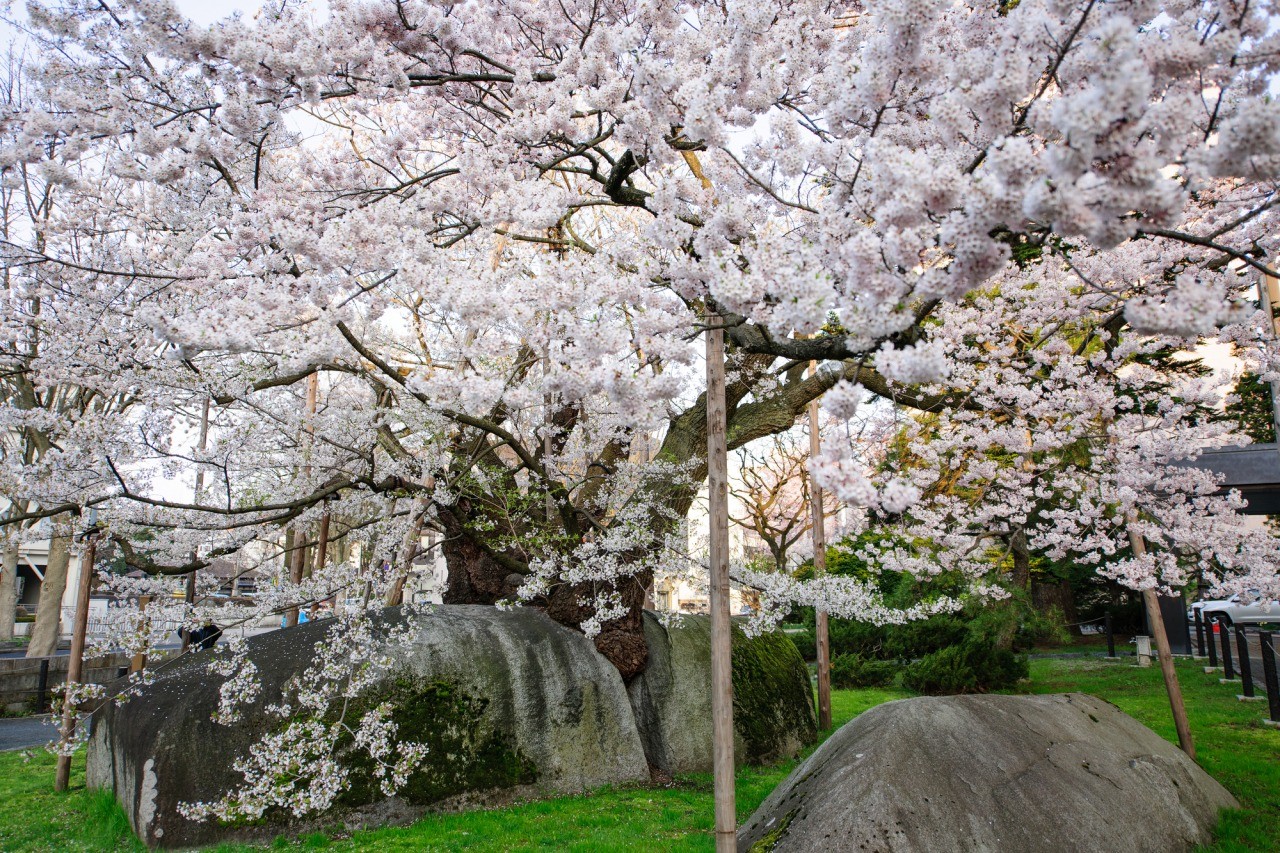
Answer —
44 633
1058 594
8 590
621 641
1021 560
474 576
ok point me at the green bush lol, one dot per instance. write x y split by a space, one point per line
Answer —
805 643
1016 623
850 671
972 667
917 639
856 638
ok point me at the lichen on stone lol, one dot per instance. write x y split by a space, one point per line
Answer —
770 720
464 754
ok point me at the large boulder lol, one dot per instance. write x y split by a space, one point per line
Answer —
510 704
991 773
772 697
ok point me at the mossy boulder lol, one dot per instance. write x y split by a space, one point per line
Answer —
772 696
510 704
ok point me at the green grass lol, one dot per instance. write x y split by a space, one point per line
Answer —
1232 743
1233 746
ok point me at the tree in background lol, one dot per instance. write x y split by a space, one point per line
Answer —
1253 412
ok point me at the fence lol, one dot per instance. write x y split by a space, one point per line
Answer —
1231 650
28 683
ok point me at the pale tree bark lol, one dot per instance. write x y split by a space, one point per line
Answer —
718 582
1152 603
8 590
817 513
44 633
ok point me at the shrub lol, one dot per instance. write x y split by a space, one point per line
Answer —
856 638
918 639
849 671
972 667
805 643
1018 624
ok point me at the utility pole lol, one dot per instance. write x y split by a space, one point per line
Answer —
75 664
721 627
817 515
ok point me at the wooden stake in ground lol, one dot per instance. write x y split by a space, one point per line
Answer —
191 578
721 627
139 661
76 661
299 556
819 567
1171 685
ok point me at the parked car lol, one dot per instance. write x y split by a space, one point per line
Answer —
1249 608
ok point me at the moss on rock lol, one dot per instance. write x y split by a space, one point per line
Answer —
773 705
463 754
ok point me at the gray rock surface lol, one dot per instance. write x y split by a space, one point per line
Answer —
1032 774
510 704
773 701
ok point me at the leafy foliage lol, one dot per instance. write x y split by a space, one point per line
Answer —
851 671
971 667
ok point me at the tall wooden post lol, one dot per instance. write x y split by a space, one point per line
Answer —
817 514
721 626
75 664
1171 685
299 556
322 543
139 661
191 578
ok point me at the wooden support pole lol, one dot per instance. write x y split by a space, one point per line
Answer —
322 543
1161 637
139 661
75 664
721 626
817 515
191 578
299 556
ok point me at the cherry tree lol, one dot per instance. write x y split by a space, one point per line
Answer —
491 227
1061 434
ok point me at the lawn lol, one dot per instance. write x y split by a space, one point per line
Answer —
1233 746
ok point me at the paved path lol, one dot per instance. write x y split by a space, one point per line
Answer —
26 732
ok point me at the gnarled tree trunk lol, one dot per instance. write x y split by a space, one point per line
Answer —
44 633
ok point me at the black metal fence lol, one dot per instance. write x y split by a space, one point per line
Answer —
1239 652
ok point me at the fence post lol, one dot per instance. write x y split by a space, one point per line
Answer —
1269 676
1212 628
1111 637
1228 671
42 686
1199 623
1246 665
